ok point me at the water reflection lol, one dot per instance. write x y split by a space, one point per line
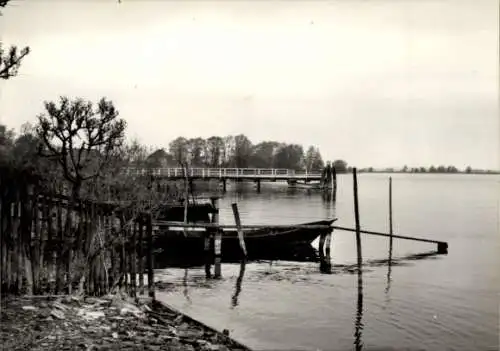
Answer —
389 269
358 322
239 280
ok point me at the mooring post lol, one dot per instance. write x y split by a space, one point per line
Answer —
321 251
356 216
327 267
390 218
240 230
208 261
218 253
334 180
215 204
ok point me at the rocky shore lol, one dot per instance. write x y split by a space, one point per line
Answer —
108 323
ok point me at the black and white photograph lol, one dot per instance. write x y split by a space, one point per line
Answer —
250 175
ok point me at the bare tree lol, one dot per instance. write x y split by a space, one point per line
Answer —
80 137
10 59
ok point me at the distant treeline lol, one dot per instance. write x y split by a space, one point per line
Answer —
239 152
431 169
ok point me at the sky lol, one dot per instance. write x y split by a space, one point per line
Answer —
380 83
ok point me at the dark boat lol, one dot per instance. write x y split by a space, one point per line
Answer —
269 243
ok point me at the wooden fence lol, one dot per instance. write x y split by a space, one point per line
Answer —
51 245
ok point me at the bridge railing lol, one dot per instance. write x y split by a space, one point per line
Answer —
221 172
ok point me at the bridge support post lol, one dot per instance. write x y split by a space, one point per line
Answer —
258 185
223 185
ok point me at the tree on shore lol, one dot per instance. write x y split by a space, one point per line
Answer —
313 160
340 166
81 139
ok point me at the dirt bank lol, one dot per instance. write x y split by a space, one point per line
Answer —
108 323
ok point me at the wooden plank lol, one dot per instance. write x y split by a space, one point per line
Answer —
387 235
233 226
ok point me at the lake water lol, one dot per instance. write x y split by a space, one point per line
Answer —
420 301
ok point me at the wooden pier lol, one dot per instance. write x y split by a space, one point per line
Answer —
264 174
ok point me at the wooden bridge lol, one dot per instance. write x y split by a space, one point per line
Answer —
228 173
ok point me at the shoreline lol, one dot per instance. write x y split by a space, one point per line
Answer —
68 322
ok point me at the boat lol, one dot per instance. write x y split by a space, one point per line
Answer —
263 243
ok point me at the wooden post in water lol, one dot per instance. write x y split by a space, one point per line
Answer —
390 218
149 234
334 180
217 251
327 267
209 237
356 217
215 204
321 251
206 252
186 197
240 231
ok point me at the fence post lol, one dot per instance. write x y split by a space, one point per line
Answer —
149 234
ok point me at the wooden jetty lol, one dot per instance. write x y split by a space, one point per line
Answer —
224 175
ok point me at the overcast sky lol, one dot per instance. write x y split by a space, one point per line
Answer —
377 83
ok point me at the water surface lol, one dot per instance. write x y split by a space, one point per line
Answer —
420 301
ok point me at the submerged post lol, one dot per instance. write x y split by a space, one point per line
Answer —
356 217
240 230
442 248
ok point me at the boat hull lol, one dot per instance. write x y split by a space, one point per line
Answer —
176 247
